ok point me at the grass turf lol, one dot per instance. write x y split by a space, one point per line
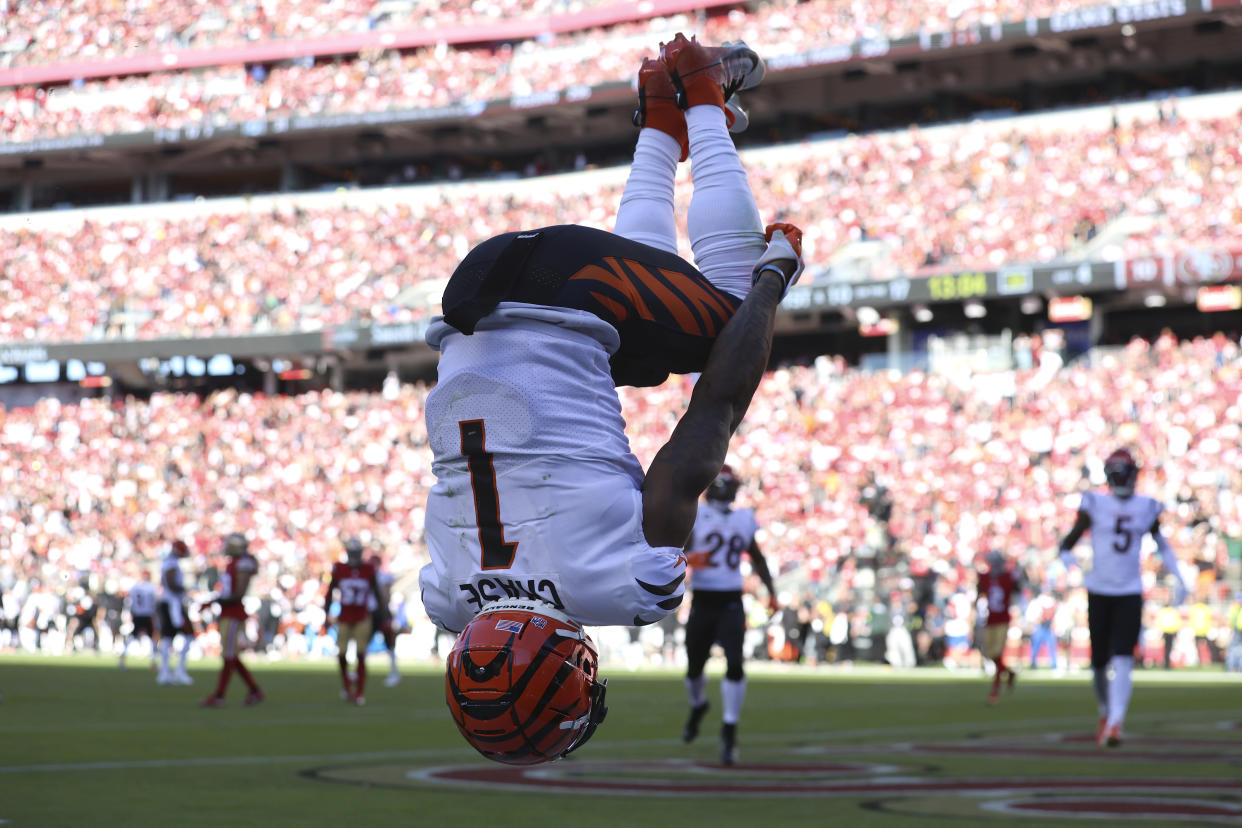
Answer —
86 744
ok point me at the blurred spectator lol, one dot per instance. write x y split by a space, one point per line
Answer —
1040 614
1169 622
1234 660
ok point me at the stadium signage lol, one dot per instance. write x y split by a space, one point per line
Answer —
1095 17
957 286
1196 266
404 334
21 354
1219 298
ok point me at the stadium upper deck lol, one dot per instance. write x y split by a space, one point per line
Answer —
79 91
50 33
967 196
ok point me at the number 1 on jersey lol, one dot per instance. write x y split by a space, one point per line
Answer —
497 553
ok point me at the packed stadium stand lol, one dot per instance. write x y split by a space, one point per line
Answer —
878 490
968 467
973 196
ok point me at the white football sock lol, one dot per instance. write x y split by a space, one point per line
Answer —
733 693
646 211
186 643
1119 689
726 232
696 689
165 653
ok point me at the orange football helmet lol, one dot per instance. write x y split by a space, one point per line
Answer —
522 683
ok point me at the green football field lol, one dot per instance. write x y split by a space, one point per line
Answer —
85 744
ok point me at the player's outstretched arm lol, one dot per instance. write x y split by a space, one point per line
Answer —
760 565
693 455
1168 556
1081 524
327 606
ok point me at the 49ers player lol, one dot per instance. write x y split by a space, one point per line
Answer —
1117 521
355 580
233 585
996 586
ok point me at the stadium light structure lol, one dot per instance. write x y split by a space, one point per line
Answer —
1155 300
1031 305
974 310
922 313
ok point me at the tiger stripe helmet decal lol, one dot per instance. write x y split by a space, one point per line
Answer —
522 683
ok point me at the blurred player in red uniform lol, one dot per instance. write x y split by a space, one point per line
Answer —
233 585
997 585
355 580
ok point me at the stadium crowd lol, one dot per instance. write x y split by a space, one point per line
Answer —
42 32
439 75
955 196
878 494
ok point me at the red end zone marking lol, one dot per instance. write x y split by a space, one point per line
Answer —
1227 749
1123 807
577 778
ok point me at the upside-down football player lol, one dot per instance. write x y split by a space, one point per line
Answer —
542 519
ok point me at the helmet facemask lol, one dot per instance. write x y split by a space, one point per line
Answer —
1121 472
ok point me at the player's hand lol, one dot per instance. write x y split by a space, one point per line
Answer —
783 256
1068 558
774 604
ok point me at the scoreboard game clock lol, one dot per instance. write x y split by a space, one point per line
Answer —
953 286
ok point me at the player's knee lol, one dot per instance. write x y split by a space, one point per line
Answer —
734 671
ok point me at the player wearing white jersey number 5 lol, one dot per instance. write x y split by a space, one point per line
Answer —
542 519
1117 522
721 536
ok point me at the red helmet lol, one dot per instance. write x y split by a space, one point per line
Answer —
1121 471
522 684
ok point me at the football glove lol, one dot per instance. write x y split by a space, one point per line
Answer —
1068 558
783 256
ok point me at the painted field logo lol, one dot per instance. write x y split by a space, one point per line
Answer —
969 778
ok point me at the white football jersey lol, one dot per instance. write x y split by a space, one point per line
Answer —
1118 525
537 493
720 538
142 598
170 573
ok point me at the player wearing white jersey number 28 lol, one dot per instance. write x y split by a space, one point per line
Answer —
1118 522
542 520
721 536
